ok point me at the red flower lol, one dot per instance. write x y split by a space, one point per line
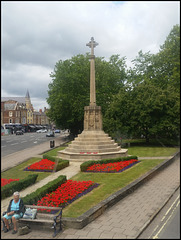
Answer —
65 193
111 167
44 164
5 181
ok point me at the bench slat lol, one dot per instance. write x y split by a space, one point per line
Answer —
35 220
43 207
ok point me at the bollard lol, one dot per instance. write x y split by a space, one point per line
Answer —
52 144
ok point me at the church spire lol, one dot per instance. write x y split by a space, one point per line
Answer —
27 94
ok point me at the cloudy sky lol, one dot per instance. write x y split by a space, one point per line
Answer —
36 34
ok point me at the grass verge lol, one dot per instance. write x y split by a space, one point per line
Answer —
109 183
146 151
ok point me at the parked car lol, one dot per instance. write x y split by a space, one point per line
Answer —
19 132
41 131
50 134
57 131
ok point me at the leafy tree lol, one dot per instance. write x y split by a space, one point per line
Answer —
146 111
149 104
69 90
166 63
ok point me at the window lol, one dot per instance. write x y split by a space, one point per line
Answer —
10 120
10 114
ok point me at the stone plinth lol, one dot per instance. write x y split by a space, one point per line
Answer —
92 118
92 145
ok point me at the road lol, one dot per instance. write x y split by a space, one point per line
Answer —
166 224
14 143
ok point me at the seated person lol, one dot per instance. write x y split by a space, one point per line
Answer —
15 211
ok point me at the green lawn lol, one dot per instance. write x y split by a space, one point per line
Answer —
109 183
54 151
145 151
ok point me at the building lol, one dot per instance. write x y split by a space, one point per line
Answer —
20 110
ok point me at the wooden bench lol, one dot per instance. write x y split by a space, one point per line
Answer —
43 220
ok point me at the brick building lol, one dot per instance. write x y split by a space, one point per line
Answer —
20 110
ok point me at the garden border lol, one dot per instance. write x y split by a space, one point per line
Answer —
93 213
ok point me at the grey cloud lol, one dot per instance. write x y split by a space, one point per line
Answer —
35 35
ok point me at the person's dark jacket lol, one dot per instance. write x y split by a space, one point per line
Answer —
21 207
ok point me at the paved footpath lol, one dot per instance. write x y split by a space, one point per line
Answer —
126 219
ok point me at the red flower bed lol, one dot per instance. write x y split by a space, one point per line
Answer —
112 167
44 165
5 181
66 193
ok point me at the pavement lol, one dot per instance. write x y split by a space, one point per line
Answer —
124 220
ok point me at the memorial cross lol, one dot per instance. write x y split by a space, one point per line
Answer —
92 44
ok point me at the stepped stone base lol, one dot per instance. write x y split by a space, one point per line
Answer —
92 145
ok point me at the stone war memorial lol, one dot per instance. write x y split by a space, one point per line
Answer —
93 143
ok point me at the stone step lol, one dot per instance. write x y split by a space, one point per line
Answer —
77 157
92 142
90 146
100 139
92 150
92 134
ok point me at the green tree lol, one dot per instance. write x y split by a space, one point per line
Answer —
149 104
69 90
166 63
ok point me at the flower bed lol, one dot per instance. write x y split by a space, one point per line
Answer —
112 167
43 165
67 193
5 181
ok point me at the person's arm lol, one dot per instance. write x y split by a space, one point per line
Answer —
9 212
9 207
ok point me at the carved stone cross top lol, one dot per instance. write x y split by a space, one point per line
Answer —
92 44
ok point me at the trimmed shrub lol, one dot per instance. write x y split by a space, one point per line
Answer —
33 197
61 163
9 189
46 156
87 164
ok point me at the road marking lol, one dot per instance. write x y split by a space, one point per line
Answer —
9 141
35 142
3 146
14 143
23 141
156 235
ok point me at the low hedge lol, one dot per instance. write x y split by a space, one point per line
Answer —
61 163
46 156
87 164
9 189
33 197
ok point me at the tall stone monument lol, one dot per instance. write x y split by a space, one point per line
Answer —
92 143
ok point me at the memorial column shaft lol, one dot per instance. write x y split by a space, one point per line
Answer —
92 82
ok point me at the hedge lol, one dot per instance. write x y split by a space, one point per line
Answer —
61 163
87 164
33 197
12 187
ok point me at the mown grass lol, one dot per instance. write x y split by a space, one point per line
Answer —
146 151
109 183
54 151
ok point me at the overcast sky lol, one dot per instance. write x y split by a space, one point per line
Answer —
36 34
